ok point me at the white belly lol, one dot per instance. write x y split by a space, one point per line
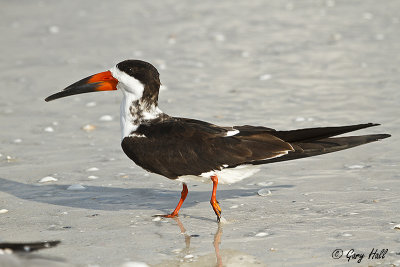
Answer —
225 176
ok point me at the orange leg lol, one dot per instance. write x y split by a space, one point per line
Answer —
183 196
213 201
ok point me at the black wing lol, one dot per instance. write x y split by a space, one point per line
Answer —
177 146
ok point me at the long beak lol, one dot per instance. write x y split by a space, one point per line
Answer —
102 81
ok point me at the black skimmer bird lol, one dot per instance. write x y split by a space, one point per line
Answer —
181 148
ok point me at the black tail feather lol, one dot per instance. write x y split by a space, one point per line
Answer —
324 146
312 134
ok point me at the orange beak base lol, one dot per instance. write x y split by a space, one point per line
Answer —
102 81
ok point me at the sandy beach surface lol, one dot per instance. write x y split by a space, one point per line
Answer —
280 64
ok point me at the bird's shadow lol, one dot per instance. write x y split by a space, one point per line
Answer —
115 198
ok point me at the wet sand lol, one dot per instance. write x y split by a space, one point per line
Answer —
280 64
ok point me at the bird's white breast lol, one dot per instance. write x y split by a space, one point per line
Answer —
225 176
126 118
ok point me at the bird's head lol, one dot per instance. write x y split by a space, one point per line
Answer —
137 78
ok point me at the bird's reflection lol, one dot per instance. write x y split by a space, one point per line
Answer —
216 243
220 257
183 231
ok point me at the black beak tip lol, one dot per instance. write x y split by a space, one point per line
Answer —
50 98
57 96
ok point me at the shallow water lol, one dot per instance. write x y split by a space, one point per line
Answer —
281 64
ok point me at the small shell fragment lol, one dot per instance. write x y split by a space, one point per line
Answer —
54 29
91 104
190 256
245 54
265 77
367 16
76 187
219 37
49 129
48 179
356 166
88 127
106 118
177 250
93 169
3 211
261 234
264 192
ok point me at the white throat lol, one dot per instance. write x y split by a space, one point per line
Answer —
133 114
133 111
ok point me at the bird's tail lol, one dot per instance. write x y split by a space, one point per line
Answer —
317 141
